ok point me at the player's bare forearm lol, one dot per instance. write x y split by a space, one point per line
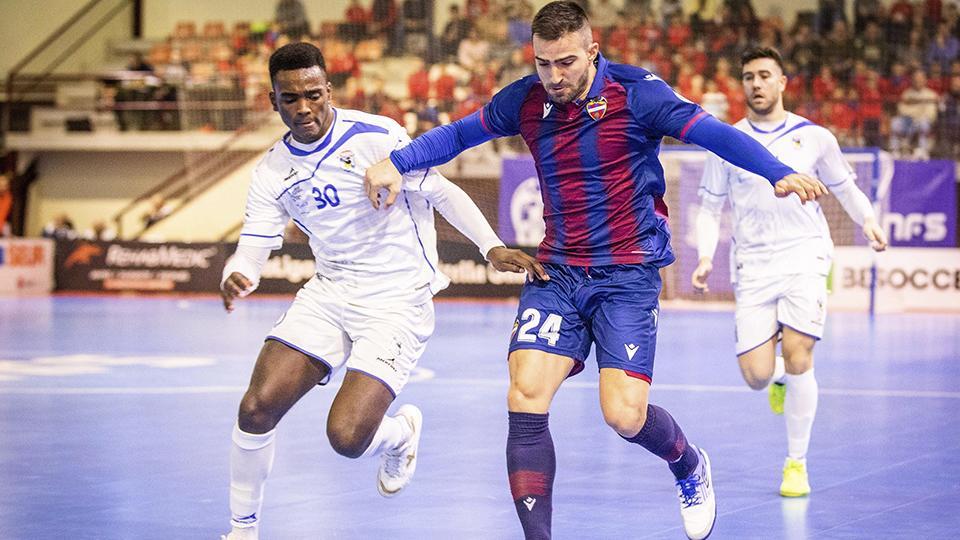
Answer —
513 260
805 186
380 176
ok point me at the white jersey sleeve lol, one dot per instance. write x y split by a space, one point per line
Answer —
452 202
837 174
714 189
247 261
457 207
264 218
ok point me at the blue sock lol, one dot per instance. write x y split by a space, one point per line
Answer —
531 464
662 436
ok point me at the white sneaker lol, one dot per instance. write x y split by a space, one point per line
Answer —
244 533
246 528
397 466
698 507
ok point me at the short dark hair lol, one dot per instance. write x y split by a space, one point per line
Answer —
558 18
761 52
295 56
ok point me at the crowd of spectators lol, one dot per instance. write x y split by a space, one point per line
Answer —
888 76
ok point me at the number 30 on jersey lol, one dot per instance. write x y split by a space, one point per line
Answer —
549 331
326 196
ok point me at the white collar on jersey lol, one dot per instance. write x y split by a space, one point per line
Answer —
768 127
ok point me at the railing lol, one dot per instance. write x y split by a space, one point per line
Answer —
62 43
190 181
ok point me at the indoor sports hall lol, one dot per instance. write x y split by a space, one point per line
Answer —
130 129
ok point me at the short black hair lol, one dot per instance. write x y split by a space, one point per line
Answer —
296 56
558 18
754 53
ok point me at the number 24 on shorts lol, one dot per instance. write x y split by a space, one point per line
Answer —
549 331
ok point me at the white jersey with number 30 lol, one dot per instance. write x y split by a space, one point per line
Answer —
387 254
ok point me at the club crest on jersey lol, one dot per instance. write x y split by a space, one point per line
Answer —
346 160
597 107
797 141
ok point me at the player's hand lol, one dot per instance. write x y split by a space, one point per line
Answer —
235 286
874 233
700 275
513 260
806 187
383 175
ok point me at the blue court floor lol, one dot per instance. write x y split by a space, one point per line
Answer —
115 419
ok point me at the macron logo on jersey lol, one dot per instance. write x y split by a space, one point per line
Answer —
631 350
547 107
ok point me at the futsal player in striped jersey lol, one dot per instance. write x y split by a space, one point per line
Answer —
369 307
781 252
594 128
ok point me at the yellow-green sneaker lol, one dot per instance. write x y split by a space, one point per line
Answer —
777 393
795 483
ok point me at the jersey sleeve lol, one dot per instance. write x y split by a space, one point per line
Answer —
457 208
836 173
714 190
498 118
832 168
264 218
501 116
661 109
715 182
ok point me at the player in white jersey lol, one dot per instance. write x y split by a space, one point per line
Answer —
780 254
369 306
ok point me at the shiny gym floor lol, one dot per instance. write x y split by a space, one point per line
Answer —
115 419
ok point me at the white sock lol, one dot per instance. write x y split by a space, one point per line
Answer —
391 434
251 459
799 409
778 370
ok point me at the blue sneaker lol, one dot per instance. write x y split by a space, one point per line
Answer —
698 506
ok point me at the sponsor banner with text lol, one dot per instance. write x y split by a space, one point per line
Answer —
923 204
26 265
470 275
139 266
908 279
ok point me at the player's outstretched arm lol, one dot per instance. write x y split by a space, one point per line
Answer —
741 150
506 259
805 186
382 176
235 286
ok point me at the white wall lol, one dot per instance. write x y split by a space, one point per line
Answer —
24 24
89 186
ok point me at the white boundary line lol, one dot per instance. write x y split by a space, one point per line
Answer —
502 383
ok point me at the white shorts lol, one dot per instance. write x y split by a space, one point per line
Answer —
765 305
382 341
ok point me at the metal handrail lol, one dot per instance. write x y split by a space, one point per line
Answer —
44 45
179 182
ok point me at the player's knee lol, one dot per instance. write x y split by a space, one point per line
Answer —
626 420
756 381
798 365
347 440
256 415
526 396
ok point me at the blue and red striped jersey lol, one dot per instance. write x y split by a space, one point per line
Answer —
600 175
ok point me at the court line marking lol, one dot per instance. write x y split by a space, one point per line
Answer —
501 383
